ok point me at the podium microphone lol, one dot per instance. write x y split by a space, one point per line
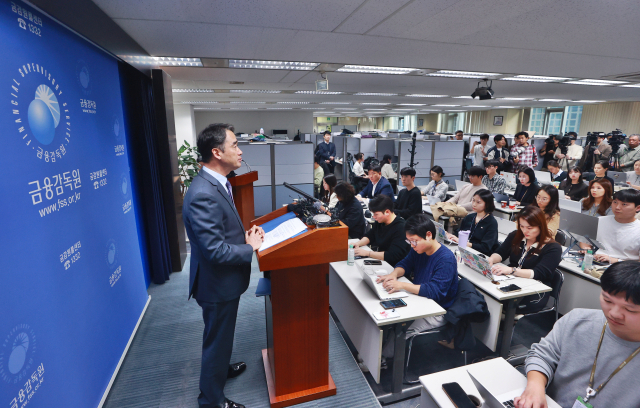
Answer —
249 167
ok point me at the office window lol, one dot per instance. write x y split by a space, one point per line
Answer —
555 123
572 117
536 121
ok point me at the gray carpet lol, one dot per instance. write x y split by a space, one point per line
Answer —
162 367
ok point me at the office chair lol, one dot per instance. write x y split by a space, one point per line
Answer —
556 286
437 330
588 176
561 238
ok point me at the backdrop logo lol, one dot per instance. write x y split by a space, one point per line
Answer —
125 189
16 354
84 77
111 255
41 116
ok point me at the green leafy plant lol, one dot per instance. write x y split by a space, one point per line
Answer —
188 166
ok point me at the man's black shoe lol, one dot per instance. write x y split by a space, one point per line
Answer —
235 370
230 404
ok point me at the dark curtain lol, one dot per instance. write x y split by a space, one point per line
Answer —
137 98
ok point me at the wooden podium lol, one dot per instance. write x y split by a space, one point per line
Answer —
242 187
296 360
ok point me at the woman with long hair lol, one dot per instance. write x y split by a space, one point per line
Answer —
437 186
387 169
526 191
328 196
573 186
600 169
529 252
482 226
598 202
548 201
349 209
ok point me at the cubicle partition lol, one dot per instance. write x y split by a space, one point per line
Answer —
385 146
447 155
368 147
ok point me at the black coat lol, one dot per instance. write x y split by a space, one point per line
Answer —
526 195
352 215
485 234
469 307
574 191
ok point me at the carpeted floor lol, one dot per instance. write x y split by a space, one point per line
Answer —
162 367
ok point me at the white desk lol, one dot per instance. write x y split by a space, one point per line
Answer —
353 301
497 375
579 290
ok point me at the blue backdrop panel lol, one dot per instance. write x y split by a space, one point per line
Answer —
71 281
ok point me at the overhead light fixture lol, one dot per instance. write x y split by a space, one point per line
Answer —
447 106
454 110
319 92
411 104
553 100
427 96
186 90
296 103
162 61
259 64
254 91
347 109
534 78
375 94
596 82
367 69
246 102
278 108
631 86
374 103
477 106
463 74
377 110
506 107
462 97
199 101
335 103
585 101
517 99
483 92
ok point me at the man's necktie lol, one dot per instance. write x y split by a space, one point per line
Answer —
229 192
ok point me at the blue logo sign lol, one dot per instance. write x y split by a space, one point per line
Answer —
16 356
111 255
84 77
44 115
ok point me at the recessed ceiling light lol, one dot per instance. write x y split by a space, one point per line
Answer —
463 74
367 69
411 104
448 106
462 97
259 64
427 96
375 94
585 101
162 61
516 99
319 92
374 103
631 86
553 100
254 91
534 78
251 102
296 103
186 90
597 82
335 103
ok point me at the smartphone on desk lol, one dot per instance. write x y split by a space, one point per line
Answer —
510 288
372 262
457 395
392 304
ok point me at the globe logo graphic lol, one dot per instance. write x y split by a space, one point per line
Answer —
124 186
83 76
18 354
44 115
111 253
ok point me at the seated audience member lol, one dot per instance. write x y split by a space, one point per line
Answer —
584 340
527 190
557 174
574 153
620 234
318 175
500 153
360 177
548 201
349 210
465 195
573 186
598 202
387 233
633 177
387 169
480 150
434 270
328 194
377 185
437 186
482 226
629 155
409 201
493 181
601 168
529 252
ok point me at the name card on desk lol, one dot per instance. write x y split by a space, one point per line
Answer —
387 314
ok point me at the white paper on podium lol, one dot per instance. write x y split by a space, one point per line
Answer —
282 232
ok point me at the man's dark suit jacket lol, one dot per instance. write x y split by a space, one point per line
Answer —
220 258
383 187
326 150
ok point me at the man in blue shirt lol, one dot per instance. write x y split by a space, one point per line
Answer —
377 185
432 270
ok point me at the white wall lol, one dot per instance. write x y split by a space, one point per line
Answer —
185 124
250 121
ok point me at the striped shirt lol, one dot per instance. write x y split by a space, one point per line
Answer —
496 185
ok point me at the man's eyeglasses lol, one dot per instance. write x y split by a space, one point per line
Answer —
412 243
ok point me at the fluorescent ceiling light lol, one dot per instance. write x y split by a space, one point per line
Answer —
245 102
454 110
427 96
463 74
259 64
199 102
347 109
162 61
553 100
534 78
506 107
516 99
462 97
319 92
477 106
278 108
411 104
254 91
335 103
374 103
367 69
631 86
597 82
379 110
185 90
375 94
448 106
585 101
296 103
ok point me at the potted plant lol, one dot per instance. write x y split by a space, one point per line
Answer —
188 165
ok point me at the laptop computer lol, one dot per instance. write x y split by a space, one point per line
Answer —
477 262
503 400
369 275
505 227
543 177
619 177
433 200
500 197
460 184
441 235
570 205
510 178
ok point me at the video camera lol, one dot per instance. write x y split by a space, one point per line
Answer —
616 140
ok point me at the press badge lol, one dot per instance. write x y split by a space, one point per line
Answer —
580 403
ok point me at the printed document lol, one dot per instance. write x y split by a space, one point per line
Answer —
282 232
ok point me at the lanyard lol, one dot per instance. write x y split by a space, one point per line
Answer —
474 224
525 252
590 391
433 188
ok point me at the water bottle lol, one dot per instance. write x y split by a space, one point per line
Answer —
261 131
588 260
351 257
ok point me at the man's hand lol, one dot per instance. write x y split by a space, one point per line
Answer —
361 252
254 237
327 161
359 197
452 238
531 398
331 157
501 270
561 156
502 160
596 151
393 285
384 278
605 258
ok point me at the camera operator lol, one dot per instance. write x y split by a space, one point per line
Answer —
628 156
548 150
523 153
573 153
603 151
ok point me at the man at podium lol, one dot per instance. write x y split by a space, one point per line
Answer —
221 254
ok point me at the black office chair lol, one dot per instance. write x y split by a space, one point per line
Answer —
437 330
561 238
588 176
556 287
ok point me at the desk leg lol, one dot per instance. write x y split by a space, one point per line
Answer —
399 334
509 317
